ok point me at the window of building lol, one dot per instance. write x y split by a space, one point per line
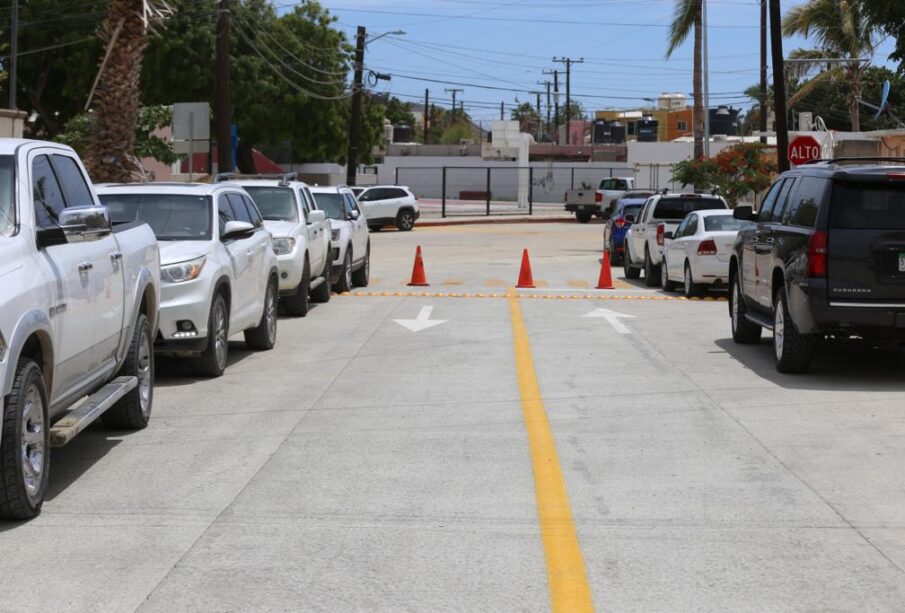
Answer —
683 125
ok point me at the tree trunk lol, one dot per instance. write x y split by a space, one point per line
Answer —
699 110
245 159
854 107
111 154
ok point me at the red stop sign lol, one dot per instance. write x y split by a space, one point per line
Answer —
804 149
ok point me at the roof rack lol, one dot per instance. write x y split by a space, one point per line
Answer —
856 160
284 178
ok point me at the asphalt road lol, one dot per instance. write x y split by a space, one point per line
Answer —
518 456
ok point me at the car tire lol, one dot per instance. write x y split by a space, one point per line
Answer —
212 361
297 304
263 337
793 351
344 283
583 217
361 276
322 292
651 272
744 332
133 411
615 260
665 283
405 220
375 228
689 288
24 445
630 271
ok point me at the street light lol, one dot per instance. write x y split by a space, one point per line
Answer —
393 33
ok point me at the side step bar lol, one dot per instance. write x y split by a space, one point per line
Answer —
86 413
760 320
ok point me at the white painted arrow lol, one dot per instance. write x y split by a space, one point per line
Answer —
422 322
612 318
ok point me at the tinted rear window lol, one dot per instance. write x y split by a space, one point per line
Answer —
633 209
678 208
865 206
723 223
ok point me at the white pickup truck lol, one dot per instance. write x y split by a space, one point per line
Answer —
78 316
587 202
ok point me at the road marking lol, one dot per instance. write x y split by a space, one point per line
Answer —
578 284
612 318
656 297
422 322
568 581
453 282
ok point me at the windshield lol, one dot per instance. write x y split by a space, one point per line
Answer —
275 203
867 206
678 208
723 223
172 217
7 203
331 203
631 209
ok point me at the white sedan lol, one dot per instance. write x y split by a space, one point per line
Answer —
697 254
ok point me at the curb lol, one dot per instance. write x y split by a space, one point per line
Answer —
472 222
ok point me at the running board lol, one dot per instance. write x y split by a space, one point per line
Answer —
86 413
760 320
316 283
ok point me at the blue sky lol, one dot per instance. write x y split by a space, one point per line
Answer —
506 44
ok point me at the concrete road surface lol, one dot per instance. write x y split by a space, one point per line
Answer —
498 450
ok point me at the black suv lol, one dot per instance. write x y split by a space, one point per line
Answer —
824 256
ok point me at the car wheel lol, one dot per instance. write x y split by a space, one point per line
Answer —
375 228
133 411
794 352
689 287
665 283
24 445
651 272
297 304
212 361
744 332
614 257
264 336
630 271
361 276
344 284
322 292
405 220
583 217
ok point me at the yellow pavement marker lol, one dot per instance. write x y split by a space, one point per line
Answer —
453 282
568 581
588 296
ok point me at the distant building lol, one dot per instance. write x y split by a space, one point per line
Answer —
672 118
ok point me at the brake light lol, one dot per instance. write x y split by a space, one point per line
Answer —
896 175
598 197
817 250
619 222
707 247
661 230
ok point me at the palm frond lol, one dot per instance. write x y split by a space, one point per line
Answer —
682 23
811 84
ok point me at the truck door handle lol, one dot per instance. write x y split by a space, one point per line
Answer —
85 266
116 255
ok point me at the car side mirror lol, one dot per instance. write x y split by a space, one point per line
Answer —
630 218
82 224
353 215
236 229
316 216
744 213
668 235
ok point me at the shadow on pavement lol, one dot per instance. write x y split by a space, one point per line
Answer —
839 365
176 372
69 463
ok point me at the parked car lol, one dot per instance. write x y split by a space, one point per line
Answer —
697 255
219 272
386 205
301 239
588 202
356 191
78 316
825 256
661 213
351 242
620 219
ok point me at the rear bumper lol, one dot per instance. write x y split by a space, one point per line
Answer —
813 312
584 208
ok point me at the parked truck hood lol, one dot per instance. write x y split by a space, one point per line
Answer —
173 252
280 228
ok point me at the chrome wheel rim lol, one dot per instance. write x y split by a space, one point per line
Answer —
221 337
734 298
270 312
33 441
145 382
779 321
347 265
664 276
687 281
407 222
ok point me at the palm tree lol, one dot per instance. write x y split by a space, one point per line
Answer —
687 17
841 30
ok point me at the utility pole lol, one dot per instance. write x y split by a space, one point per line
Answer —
547 85
426 120
502 111
453 91
568 63
779 87
706 78
555 74
357 101
224 111
763 70
538 116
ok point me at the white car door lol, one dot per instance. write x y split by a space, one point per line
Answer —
359 228
638 230
241 256
316 253
675 251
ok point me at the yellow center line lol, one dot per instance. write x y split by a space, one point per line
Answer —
568 581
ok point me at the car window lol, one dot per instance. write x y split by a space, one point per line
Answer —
239 210
172 217
782 200
274 203
620 184
607 184
253 211
680 231
867 206
75 190
398 193
332 204
351 204
678 207
645 212
692 227
766 207
631 209
806 202
224 212
723 223
7 200
46 193
307 201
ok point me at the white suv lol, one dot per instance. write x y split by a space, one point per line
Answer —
218 269
351 241
301 239
386 205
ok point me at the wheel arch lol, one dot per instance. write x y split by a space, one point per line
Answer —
33 339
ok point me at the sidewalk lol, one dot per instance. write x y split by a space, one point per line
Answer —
466 212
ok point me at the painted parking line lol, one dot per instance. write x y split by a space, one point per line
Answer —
567 577
548 296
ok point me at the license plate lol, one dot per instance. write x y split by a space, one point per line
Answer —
902 262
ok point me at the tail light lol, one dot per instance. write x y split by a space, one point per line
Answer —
707 247
661 230
598 197
619 222
817 254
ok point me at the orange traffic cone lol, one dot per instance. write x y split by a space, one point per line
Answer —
606 276
524 276
418 277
